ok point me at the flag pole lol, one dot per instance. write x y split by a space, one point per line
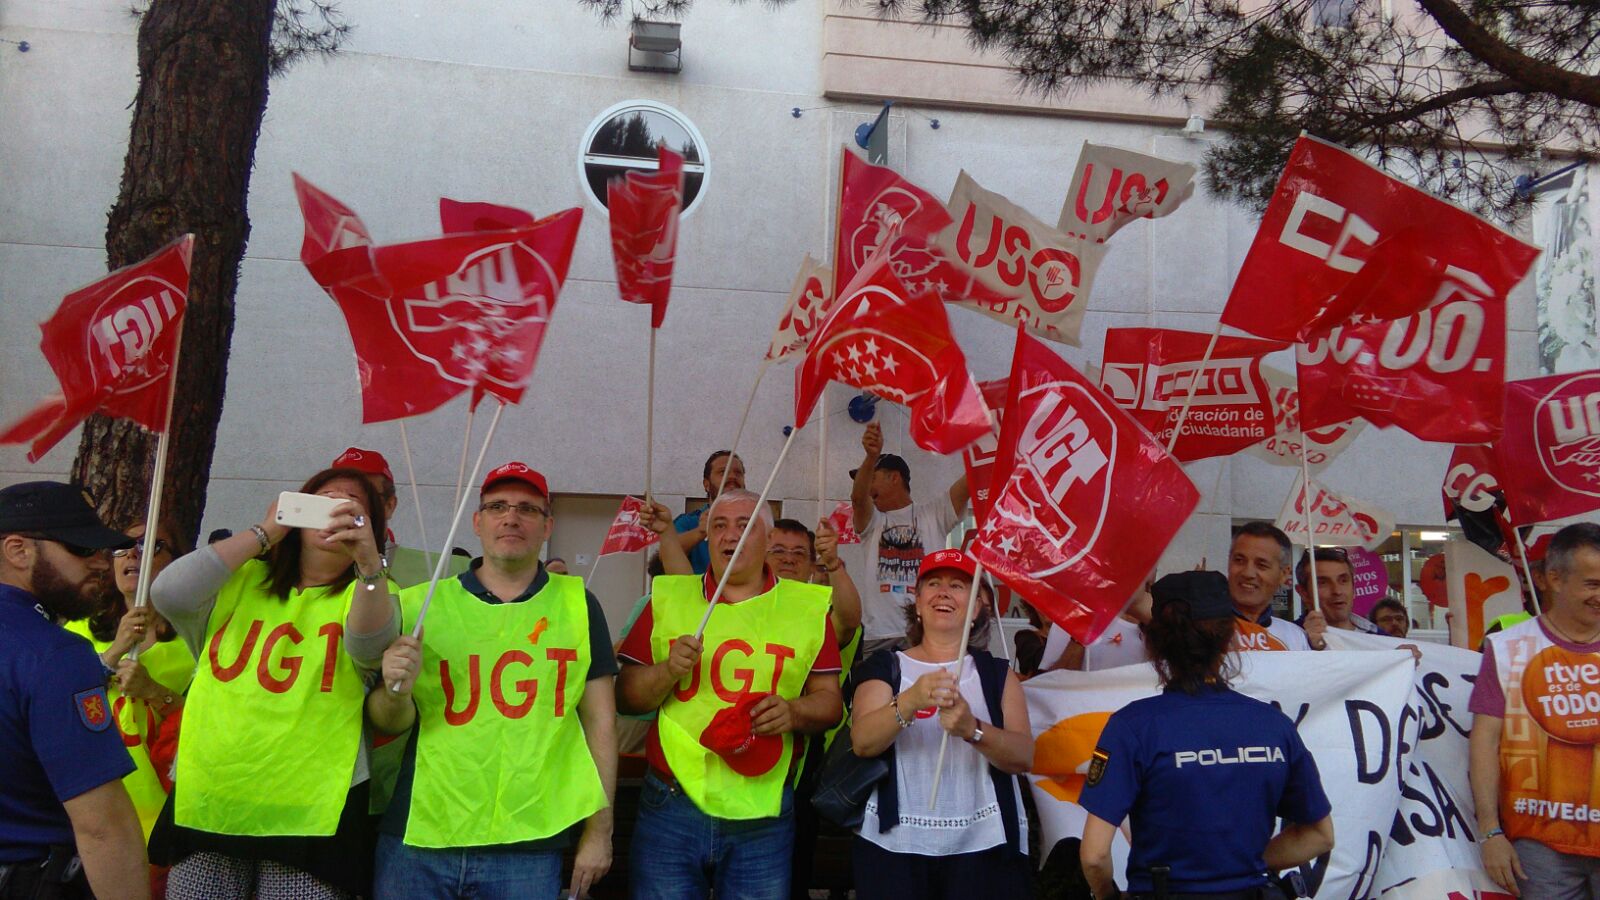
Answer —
461 467
455 523
754 514
1305 513
1527 570
822 453
961 671
416 493
158 484
738 433
1188 400
650 419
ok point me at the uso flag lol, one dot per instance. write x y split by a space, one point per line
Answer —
1150 372
430 319
626 535
1549 457
899 348
1112 187
644 210
112 346
1088 499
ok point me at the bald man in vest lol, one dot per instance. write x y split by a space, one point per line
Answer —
717 810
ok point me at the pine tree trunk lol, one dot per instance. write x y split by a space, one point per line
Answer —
203 68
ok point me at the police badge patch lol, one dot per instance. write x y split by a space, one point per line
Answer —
93 709
1097 766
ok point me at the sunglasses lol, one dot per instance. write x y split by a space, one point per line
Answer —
74 549
137 549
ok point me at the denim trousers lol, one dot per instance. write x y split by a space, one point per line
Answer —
680 853
482 873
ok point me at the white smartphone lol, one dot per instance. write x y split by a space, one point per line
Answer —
314 511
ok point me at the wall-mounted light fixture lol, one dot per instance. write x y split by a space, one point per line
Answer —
655 47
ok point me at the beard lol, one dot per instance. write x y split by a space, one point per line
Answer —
63 599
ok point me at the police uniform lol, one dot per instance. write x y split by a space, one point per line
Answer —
1204 778
57 737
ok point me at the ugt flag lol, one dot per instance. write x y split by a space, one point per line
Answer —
1549 457
1152 372
1331 215
644 209
626 534
113 346
430 319
900 348
1112 187
1086 501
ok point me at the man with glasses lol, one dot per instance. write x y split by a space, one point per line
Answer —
513 756
67 826
794 552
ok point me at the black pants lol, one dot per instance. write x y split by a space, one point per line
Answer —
59 878
996 872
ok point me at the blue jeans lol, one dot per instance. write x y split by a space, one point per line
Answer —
483 873
680 852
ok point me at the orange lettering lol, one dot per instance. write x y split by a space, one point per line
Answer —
744 677
232 670
451 716
779 653
333 632
685 693
291 664
561 656
528 686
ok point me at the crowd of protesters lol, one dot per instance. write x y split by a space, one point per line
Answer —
289 717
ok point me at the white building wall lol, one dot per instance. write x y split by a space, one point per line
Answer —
489 99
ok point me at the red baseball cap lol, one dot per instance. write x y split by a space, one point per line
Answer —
515 471
948 559
731 735
368 461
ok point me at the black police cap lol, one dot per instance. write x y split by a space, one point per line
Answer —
57 512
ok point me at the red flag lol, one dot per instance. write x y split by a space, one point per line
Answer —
1469 480
644 231
432 318
899 348
626 535
112 345
979 458
1149 372
1089 500
1549 458
1320 445
459 216
843 520
1331 214
878 208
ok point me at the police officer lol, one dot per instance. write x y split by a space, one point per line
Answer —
66 823
1202 771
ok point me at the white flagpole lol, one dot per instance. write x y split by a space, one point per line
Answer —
739 432
961 671
158 484
754 514
822 453
1305 512
455 523
1188 400
461 467
650 420
416 494
1527 570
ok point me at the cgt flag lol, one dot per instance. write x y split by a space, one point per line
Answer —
1012 253
1150 372
807 306
1549 457
626 535
112 345
1331 216
430 319
1112 187
1087 499
644 209
1472 496
899 348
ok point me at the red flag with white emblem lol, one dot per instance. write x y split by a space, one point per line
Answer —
1549 457
644 209
112 346
430 319
843 520
626 534
1151 373
807 306
1288 441
900 348
979 458
1088 501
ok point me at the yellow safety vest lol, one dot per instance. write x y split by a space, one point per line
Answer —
169 663
273 722
513 765
768 644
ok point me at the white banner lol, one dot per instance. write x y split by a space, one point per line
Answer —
1112 187
805 309
1351 711
1339 521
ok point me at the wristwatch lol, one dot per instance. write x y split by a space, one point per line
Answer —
977 734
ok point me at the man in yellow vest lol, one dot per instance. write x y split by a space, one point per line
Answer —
717 812
1535 745
513 756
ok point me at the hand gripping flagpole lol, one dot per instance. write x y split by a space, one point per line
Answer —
455 523
739 432
650 421
158 484
754 514
1194 380
961 671
416 493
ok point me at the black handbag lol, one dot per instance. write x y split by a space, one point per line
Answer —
847 780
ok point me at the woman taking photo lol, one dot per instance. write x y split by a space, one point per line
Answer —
1200 829
973 842
270 798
